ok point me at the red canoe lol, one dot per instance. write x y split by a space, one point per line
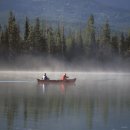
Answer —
41 81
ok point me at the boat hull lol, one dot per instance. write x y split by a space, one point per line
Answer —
68 81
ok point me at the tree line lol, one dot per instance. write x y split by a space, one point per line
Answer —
37 39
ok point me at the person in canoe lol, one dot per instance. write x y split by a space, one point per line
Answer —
45 77
64 77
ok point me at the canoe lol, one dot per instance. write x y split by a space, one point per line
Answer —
41 81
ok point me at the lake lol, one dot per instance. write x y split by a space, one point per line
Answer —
97 101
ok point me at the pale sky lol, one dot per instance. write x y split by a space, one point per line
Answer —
124 4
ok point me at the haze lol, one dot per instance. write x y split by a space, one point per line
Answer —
124 4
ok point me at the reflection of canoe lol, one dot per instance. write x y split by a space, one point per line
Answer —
41 81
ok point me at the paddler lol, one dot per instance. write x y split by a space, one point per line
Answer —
64 77
45 77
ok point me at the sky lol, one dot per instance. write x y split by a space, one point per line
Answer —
124 4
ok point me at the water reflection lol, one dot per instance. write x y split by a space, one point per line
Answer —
61 87
92 106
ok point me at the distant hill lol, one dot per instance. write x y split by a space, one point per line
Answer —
68 11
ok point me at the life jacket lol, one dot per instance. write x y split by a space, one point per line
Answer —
62 77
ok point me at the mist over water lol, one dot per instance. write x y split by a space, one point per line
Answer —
51 64
97 101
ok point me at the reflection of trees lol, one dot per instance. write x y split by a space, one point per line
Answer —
105 109
90 112
11 111
25 111
37 106
10 108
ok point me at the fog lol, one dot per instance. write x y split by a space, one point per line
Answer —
51 64
29 68
89 78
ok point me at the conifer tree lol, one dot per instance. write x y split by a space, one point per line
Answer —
14 37
80 47
128 44
122 44
1 44
106 34
30 40
26 33
0 29
37 36
69 45
58 42
44 35
105 49
115 45
90 42
63 42
4 46
73 46
43 44
25 46
0 35
50 41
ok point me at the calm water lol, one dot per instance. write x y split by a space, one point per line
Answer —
98 101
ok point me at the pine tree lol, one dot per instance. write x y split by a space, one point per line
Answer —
44 33
115 45
43 47
90 42
128 45
14 37
30 40
105 49
80 47
0 29
50 41
11 21
26 33
0 36
1 44
73 46
58 42
106 32
4 46
63 42
37 36
70 45
122 44
91 30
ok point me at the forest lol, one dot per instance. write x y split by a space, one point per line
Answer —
40 39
